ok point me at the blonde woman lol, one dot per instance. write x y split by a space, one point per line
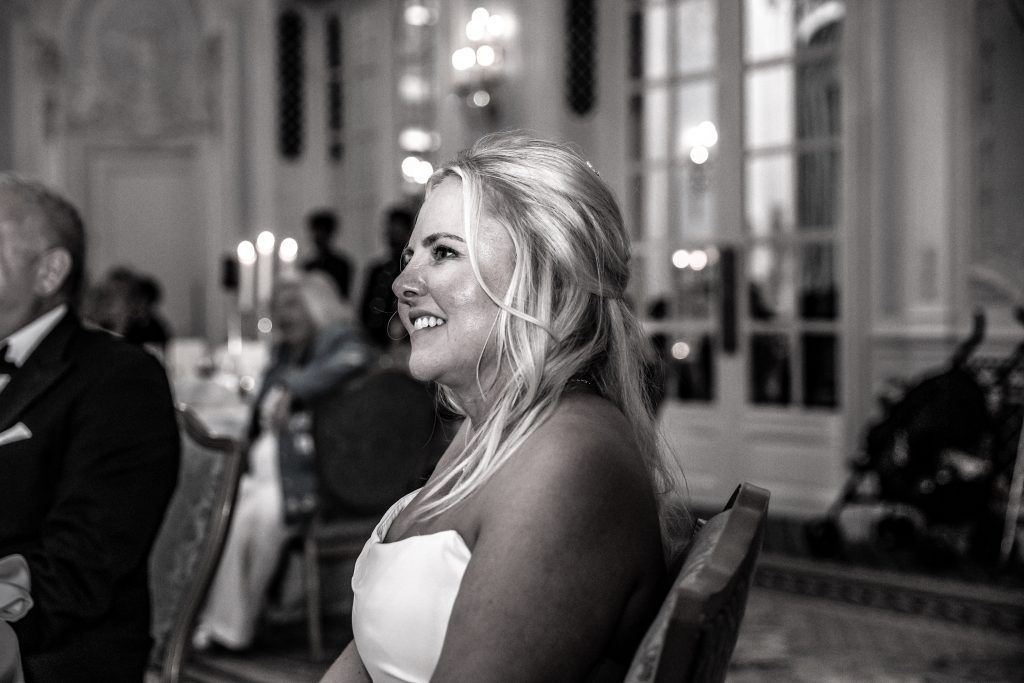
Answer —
317 345
537 550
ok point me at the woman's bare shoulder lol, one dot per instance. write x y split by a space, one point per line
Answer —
582 461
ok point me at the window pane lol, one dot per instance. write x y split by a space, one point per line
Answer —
819 367
655 206
771 272
655 40
817 96
819 23
818 291
773 27
695 33
817 188
769 195
655 117
769 107
693 280
769 369
768 28
690 363
696 115
693 194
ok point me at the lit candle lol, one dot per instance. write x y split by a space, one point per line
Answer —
246 275
288 250
265 267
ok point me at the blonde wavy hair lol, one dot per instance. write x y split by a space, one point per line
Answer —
564 315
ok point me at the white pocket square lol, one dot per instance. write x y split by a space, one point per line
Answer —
15 433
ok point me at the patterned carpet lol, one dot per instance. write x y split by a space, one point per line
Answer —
865 616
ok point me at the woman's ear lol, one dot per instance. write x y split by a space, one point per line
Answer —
53 271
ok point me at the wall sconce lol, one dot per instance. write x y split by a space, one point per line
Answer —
480 64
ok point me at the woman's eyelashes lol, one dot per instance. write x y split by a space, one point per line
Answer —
438 252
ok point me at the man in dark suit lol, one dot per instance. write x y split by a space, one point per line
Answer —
89 453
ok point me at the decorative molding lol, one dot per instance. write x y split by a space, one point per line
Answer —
139 68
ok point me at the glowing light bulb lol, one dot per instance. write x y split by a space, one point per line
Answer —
288 250
265 242
246 253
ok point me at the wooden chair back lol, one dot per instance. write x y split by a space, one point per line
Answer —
375 438
692 638
188 546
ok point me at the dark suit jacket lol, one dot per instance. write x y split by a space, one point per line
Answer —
83 498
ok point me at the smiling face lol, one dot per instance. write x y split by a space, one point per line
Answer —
449 317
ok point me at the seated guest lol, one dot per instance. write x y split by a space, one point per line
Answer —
317 346
124 302
148 328
538 548
89 453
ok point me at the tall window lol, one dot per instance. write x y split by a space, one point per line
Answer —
791 179
735 164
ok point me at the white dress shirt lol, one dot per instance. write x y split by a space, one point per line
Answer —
23 342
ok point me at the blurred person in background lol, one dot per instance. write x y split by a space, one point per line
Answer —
125 302
323 226
317 346
89 453
379 304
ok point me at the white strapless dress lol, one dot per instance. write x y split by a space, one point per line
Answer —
403 594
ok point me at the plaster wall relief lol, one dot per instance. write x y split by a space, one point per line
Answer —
997 235
140 68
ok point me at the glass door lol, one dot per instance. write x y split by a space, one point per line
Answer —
734 111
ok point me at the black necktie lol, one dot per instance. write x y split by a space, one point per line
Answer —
6 366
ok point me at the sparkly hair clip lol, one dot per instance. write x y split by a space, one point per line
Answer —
591 167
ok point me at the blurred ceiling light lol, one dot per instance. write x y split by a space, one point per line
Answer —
418 14
698 259
409 165
680 350
480 98
485 55
681 259
424 169
480 66
707 134
464 58
699 154
264 325
496 26
417 170
418 140
414 88
476 30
